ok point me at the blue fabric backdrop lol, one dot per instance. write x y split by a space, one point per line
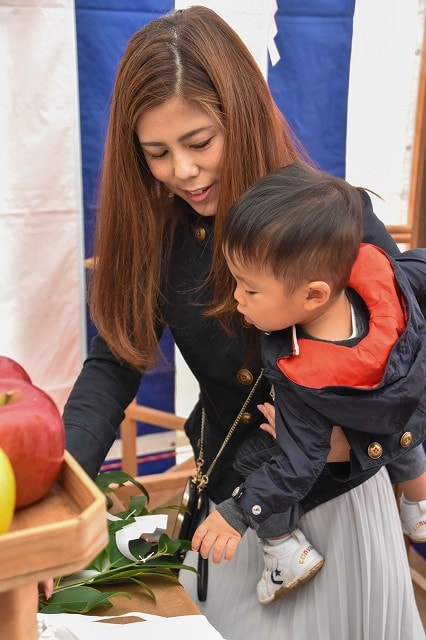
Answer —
310 82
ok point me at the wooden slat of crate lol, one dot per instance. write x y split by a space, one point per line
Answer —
59 534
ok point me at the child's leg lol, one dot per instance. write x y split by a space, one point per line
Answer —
290 560
414 490
256 448
409 472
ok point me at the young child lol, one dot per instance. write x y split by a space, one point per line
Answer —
343 344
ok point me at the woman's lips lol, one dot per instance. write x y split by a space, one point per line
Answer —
199 195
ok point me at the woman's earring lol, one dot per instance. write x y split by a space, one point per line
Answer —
170 194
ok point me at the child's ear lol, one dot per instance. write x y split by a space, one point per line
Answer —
317 294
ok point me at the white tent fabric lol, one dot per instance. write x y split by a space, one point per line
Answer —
254 22
383 87
41 258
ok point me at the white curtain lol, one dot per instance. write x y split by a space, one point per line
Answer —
42 323
383 87
254 22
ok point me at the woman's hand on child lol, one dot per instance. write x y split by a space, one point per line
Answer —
268 411
215 533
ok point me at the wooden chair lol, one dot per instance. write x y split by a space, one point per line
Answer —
164 487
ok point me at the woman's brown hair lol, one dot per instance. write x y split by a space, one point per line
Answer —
195 55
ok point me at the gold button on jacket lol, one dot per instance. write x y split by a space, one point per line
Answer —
200 233
245 376
375 450
406 439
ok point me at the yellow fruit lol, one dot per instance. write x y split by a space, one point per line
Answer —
7 492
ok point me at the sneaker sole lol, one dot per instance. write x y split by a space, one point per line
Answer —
413 537
284 591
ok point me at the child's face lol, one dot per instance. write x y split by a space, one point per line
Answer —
263 300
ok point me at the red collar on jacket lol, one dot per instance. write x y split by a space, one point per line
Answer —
323 364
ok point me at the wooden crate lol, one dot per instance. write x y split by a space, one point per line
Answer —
58 535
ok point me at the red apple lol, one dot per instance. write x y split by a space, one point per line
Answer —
11 369
32 435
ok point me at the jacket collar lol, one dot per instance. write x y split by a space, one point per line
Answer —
327 364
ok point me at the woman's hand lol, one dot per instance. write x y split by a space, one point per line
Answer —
268 411
215 533
339 446
46 587
340 449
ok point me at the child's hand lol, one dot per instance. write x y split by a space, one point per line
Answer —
215 533
268 411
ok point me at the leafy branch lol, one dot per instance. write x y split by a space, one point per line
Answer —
76 593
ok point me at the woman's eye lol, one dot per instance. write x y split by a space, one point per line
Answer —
157 156
202 145
251 293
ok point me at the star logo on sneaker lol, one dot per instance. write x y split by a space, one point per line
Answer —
276 577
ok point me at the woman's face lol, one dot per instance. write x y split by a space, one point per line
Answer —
183 149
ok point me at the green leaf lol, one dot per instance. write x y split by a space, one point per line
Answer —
137 506
141 548
80 599
102 561
116 525
145 587
163 562
185 544
73 593
116 558
168 546
104 480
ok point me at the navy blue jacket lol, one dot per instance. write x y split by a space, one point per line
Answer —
374 390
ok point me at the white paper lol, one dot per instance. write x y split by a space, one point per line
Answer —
154 525
151 627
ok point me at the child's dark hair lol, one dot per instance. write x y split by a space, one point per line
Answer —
298 223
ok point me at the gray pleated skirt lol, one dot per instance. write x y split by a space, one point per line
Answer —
363 592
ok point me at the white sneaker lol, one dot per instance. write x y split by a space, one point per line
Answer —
413 519
287 566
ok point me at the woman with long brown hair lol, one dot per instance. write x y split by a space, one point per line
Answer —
192 126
